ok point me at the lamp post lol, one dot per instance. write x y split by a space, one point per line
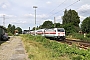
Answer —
35 18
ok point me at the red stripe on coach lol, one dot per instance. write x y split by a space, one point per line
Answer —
50 32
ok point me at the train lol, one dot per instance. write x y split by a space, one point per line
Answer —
56 33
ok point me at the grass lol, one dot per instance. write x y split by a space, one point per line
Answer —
79 36
36 51
40 48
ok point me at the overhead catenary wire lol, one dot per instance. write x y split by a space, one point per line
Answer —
56 7
64 8
67 7
83 12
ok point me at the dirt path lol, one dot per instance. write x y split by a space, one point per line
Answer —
13 50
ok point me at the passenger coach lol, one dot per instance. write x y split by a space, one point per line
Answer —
56 33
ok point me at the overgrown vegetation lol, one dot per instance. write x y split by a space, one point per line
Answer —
11 29
85 26
70 22
40 48
80 37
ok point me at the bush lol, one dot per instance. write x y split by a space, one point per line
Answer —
60 50
88 35
81 36
10 34
78 58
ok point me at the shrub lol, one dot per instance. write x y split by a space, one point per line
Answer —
88 35
81 36
58 49
10 34
78 58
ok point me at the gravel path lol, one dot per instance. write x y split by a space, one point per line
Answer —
13 50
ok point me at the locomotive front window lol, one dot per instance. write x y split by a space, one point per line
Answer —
60 30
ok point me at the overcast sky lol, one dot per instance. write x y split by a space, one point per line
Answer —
22 14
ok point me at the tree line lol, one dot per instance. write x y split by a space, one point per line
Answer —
11 29
70 21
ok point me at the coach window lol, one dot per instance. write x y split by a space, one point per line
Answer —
60 30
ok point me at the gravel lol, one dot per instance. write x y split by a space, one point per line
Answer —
13 50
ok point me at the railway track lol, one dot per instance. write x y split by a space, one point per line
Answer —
78 43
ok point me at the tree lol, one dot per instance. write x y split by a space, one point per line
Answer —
40 27
36 28
19 30
85 26
71 16
70 28
71 21
58 25
9 28
33 28
13 29
47 24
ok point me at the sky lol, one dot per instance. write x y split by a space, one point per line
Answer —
22 14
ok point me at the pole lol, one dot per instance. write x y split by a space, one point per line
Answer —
4 20
29 30
54 22
35 21
35 18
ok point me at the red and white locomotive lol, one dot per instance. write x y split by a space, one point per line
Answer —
56 33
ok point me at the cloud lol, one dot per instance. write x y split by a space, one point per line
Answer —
84 10
42 16
20 22
29 15
21 12
6 15
4 4
48 2
38 16
84 7
58 19
82 18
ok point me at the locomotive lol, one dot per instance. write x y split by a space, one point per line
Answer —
56 33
